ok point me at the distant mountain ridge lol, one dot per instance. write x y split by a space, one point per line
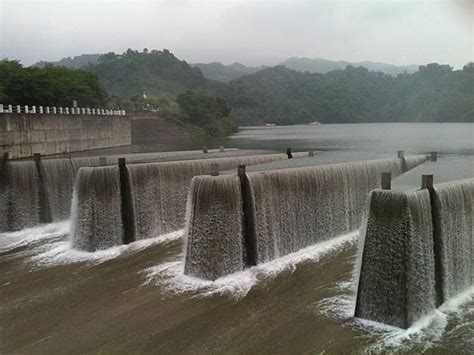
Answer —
321 65
433 93
76 62
225 73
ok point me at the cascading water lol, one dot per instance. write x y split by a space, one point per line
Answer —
54 180
59 177
294 208
160 190
96 215
221 197
453 216
413 161
19 196
37 192
397 279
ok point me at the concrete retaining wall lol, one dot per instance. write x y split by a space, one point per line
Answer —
22 135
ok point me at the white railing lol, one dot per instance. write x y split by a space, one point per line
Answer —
60 110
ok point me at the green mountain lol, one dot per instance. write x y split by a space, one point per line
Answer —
76 62
156 72
225 73
280 95
434 93
321 65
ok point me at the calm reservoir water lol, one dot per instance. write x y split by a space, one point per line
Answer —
135 298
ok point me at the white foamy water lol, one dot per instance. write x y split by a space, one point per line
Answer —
237 285
50 244
62 252
452 319
28 236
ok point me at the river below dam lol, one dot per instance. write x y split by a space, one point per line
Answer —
134 298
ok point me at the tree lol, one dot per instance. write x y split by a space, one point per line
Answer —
210 113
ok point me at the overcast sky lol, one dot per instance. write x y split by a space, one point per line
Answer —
250 32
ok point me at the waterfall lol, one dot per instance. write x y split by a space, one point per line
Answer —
47 195
59 177
160 190
418 252
295 208
397 280
96 209
158 194
19 196
413 161
37 192
454 236
290 209
206 257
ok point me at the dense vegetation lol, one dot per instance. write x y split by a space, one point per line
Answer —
210 113
155 72
225 73
49 86
321 65
434 93
77 62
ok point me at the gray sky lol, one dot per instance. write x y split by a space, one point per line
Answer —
250 32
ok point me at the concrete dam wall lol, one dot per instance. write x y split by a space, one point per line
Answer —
418 252
24 134
236 223
117 205
40 191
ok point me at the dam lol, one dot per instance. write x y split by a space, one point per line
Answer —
40 190
233 223
418 251
140 201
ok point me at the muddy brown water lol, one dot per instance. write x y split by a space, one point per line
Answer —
107 306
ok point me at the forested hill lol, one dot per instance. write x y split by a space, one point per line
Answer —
321 65
225 73
279 95
435 93
156 72
76 62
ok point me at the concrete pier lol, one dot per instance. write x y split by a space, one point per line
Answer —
386 181
127 211
417 251
214 169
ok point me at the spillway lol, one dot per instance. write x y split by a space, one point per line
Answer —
418 252
158 194
18 196
220 197
290 209
34 192
97 224
454 236
397 283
